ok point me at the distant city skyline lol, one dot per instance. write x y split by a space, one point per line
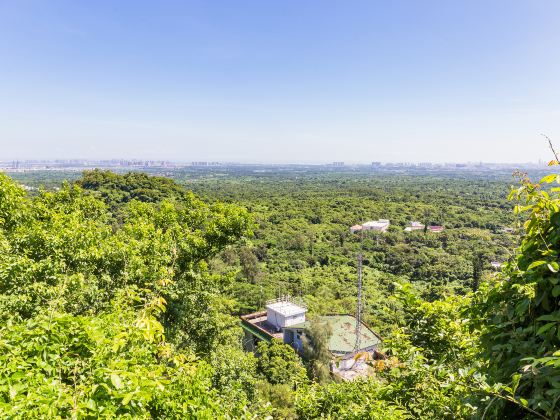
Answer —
123 163
280 82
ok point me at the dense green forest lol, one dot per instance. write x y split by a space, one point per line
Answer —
302 244
120 294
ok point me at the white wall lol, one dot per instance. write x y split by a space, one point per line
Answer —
294 319
274 318
281 321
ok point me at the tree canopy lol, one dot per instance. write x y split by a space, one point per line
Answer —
105 321
119 297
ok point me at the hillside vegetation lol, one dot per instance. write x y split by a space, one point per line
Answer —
119 296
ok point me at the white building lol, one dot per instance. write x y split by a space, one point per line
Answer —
414 226
284 320
283 313
355 228
380 225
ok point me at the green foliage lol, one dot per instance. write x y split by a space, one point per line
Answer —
303 246
113 365
11 197
85 303
281 398
316 350
439 328
249 265
348 400
278 363
234 374
66 254
118 296
117 189
432 368
519 310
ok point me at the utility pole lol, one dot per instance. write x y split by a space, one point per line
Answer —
358 344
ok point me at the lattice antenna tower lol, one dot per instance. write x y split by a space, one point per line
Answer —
358 343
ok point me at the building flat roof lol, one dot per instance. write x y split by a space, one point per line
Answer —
257 324
343 336
286 308
376 223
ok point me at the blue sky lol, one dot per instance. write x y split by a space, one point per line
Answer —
280 81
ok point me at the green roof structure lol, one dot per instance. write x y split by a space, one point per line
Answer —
343 338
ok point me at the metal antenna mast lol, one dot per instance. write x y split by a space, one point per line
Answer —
357 346
358 343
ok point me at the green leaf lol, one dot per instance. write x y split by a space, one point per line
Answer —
535 264
545 328
91 405
548 179
127 398
549 317
116 380
556 291
553 266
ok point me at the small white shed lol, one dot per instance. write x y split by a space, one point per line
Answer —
283 313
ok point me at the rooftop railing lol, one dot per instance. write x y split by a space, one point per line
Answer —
288 299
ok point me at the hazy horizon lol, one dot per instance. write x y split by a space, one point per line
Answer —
272 163
253 81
